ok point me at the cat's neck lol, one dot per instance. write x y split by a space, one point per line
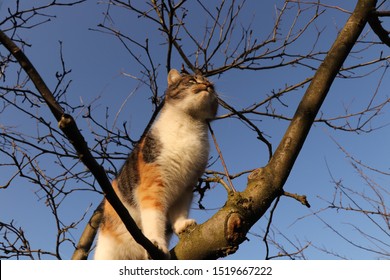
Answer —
173 116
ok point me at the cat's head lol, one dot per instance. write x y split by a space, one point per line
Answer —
192 94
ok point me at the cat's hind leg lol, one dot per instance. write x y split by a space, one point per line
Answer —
110 247
114 241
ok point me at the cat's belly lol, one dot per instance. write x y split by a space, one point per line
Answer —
183 161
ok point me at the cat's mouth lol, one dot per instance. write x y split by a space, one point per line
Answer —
205 89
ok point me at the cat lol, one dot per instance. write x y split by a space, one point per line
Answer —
156 182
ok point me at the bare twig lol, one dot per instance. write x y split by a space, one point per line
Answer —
301 198
221 157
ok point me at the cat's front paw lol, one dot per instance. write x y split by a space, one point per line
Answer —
181 225
162 248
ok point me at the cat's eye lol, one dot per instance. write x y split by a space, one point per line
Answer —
192 81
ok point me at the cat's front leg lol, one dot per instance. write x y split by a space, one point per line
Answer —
181 224
153 226
179 214
150 198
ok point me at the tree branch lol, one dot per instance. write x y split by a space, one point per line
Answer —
85 242
301 198
377 27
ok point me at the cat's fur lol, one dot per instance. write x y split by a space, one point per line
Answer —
156 181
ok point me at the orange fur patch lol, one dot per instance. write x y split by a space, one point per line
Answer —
150 194
150 190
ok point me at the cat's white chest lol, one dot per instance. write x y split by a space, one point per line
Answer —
185 148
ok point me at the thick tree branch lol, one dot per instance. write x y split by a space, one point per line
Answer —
67 124
222 234
292 142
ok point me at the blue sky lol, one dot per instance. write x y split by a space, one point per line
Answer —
98 62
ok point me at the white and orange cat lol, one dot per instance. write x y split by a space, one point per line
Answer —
156 182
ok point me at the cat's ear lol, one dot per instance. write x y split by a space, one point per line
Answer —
173 76
183 70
